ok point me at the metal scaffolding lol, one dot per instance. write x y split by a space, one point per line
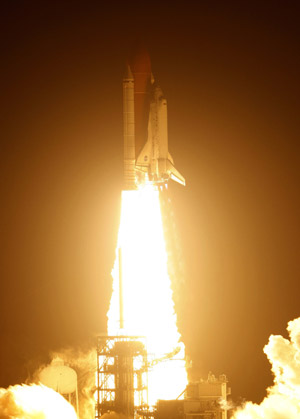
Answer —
122 376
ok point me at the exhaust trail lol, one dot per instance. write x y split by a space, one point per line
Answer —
148 306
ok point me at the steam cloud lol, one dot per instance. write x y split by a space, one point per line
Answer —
36 401
283 399
33 402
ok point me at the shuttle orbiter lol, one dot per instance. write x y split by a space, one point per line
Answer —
146 155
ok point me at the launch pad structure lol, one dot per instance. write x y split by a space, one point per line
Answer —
122 376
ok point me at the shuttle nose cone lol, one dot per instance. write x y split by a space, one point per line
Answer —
128 73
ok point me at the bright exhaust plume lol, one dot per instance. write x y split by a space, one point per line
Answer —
148 307
34 402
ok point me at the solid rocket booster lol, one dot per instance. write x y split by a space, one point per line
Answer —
128 130
146 155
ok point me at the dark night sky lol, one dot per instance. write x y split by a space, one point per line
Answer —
230 72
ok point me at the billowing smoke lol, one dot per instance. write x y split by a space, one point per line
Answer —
283 399
33 402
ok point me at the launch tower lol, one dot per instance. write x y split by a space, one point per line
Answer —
122 376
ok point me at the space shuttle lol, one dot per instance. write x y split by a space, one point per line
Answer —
145 127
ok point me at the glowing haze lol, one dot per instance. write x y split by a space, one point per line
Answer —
148 306
283 399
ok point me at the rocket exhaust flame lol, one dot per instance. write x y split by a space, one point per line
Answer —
148 308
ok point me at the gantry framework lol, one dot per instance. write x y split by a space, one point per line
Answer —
122 376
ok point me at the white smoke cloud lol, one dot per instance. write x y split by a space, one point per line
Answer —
33 402
283 399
